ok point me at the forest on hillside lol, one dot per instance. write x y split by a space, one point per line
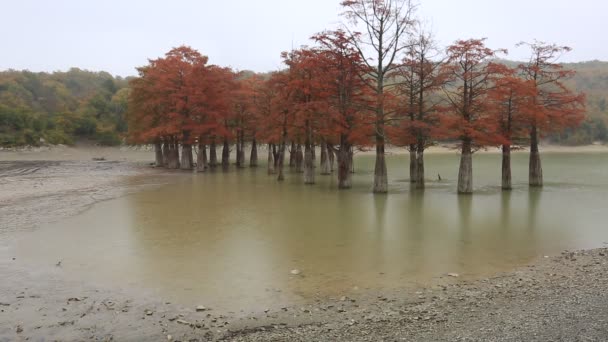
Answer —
62 107
66 107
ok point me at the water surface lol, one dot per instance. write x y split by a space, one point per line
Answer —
229 240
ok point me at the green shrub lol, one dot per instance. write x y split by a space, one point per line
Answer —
108 138
56 137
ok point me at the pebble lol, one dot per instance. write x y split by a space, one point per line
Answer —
295 272
201 308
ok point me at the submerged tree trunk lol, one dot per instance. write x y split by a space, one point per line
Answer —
253 157
212 154
239 161
506 167
281 162
201 158
299 159
158 151
309 166
240 150
271 168
325 167
166 153
413 164
420 166
465 173
344 167
331 157
380 171
351 155
536 170
226 155
292 155
174 155
187 160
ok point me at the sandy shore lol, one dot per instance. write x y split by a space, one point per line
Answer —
558 298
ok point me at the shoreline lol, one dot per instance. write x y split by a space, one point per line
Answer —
145 153
533 302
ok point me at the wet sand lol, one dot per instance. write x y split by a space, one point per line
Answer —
555 298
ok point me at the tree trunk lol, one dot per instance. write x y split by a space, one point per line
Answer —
292 155
187 160
158 149
253 157
271 169
536 170
351 155
166 153
239 161
299 159
331 157
280 162
420 166
201 158
325 168
344 167
413 164
226 155
380 172
240 151
174 155
212 154
506 167
309 166
465 173
313 148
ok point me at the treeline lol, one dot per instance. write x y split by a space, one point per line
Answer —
62 107
390 84
25 115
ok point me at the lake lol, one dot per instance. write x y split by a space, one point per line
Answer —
230 240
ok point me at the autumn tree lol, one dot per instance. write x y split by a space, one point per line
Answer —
555 105
347 120
386 24
274 104
178 100
210 103
420 76
471 75
306 84
511 100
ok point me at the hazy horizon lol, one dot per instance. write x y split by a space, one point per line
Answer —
117 37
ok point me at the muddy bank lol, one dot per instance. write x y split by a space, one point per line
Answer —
35 192
561 298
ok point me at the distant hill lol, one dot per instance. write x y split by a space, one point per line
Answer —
61 107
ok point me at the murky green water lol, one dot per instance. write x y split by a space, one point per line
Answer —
230 240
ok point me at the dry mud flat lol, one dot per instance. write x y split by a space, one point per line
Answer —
35 192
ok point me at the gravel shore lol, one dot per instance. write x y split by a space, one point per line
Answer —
561 298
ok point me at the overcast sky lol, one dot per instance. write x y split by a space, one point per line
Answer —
119 35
